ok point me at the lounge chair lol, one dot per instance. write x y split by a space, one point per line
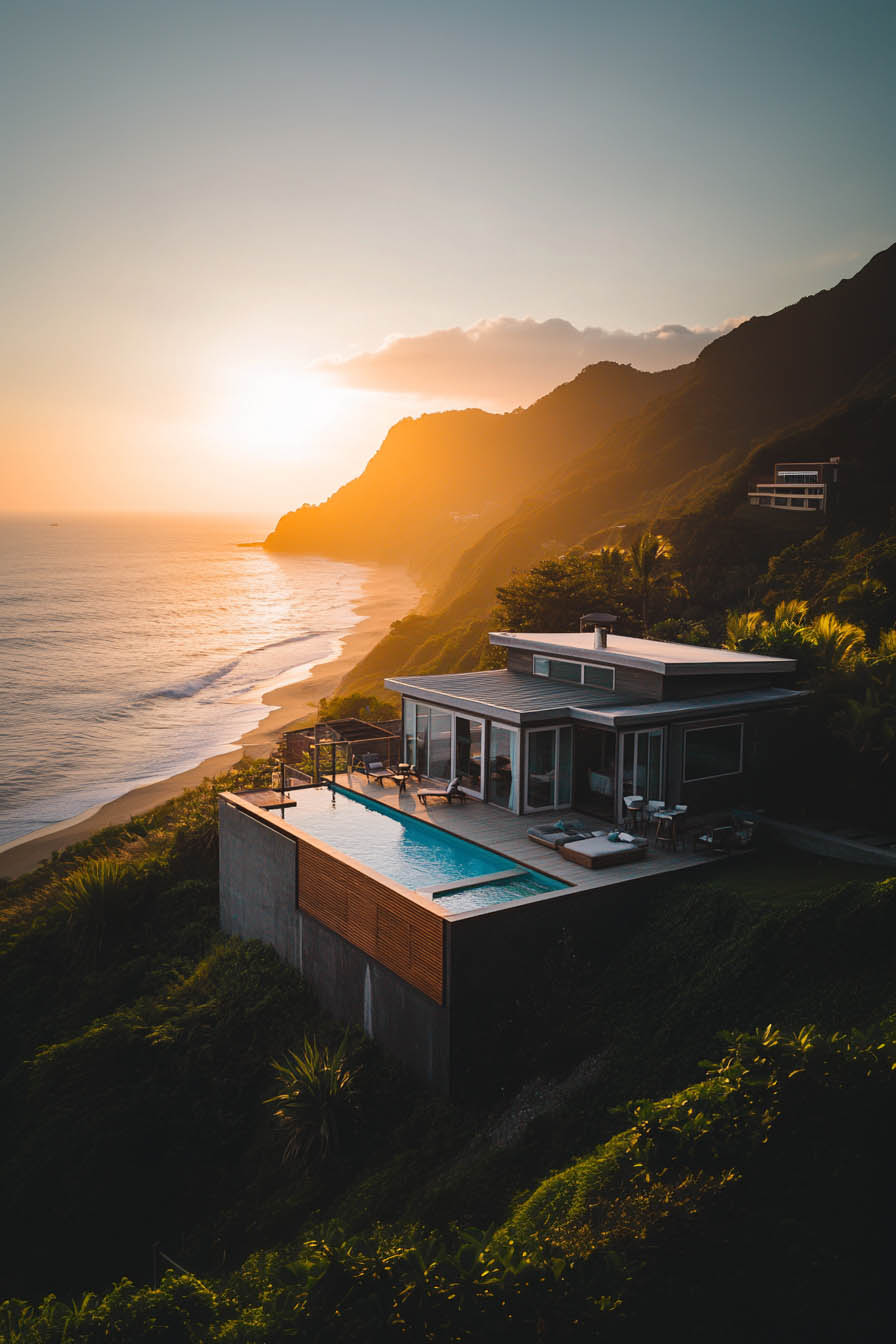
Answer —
453 791
374 769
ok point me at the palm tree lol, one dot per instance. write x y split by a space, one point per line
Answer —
787 633
742 630
839 644
650 558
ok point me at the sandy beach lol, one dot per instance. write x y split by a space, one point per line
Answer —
388 595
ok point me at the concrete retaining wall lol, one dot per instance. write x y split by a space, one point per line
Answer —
258 899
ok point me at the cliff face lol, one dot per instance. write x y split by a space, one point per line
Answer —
438 483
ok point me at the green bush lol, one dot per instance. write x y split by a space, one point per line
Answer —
317 1104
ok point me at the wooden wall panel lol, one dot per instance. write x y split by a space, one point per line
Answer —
403 936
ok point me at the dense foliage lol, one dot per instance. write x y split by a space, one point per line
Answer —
674 1217
139 1066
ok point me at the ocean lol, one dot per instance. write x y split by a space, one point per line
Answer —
134 646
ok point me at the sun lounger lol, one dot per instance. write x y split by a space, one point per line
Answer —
453 791
374 768
599 851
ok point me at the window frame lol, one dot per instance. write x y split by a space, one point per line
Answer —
573 662
702 728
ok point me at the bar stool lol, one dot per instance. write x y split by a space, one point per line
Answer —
667 825
634 810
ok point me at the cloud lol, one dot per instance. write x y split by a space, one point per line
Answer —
507 361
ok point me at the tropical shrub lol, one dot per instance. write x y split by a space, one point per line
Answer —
317 1102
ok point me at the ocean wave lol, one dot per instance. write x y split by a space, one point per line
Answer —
186 689
195 685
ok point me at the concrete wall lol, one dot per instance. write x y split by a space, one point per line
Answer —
258 899
258 880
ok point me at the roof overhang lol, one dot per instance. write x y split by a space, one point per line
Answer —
703 707
553 699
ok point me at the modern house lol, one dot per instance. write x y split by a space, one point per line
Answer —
425 925
799 485
584 720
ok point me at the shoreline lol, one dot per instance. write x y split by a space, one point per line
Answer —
387 595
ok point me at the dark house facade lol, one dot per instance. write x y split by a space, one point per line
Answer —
585 720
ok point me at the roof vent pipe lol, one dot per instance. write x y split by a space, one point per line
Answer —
603 622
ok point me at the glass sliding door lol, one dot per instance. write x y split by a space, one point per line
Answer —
421 745
468 734
540 768
440 725
596 771
564 767
409 732
503 766
548 768
642 764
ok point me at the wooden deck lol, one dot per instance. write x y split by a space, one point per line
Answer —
506 834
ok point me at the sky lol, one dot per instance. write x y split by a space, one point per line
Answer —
239 240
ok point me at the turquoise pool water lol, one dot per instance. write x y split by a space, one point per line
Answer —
411 852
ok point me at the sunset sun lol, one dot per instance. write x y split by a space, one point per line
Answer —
271 409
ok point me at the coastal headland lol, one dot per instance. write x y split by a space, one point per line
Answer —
389 593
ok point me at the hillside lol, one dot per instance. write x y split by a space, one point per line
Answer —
439 482
814 380
142 1043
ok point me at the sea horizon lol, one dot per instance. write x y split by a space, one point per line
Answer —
137 644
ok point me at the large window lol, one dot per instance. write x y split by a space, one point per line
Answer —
579 674
441 744
713 751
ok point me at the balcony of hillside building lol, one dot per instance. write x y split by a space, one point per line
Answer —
798 486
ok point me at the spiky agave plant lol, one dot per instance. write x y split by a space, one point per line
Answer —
317 1099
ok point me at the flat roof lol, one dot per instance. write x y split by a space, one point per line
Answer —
654 655
511 696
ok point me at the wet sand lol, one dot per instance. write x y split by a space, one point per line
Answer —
388 595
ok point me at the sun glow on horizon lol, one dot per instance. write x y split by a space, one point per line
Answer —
271 410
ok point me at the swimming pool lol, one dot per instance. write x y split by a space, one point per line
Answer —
414 853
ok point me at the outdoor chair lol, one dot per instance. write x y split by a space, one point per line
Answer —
374 768
720 840
453 791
